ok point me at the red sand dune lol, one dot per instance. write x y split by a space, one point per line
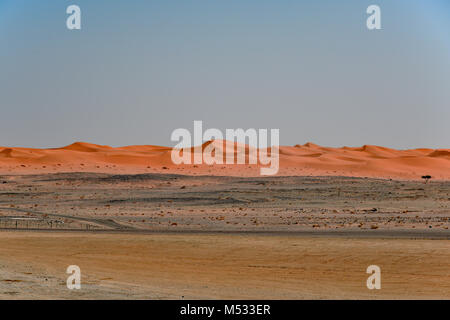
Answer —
300 160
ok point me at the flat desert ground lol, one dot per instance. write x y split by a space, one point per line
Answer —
141 229
220 266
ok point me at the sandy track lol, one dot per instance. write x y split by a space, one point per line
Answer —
194 266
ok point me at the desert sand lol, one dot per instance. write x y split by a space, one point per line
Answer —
300 160
218 266
163 236
140 227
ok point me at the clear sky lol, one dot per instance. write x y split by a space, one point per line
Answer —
140 69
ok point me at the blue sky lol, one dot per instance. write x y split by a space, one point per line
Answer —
140 69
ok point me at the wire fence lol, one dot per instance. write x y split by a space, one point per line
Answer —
17 223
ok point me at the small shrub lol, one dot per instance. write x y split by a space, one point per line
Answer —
427 177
